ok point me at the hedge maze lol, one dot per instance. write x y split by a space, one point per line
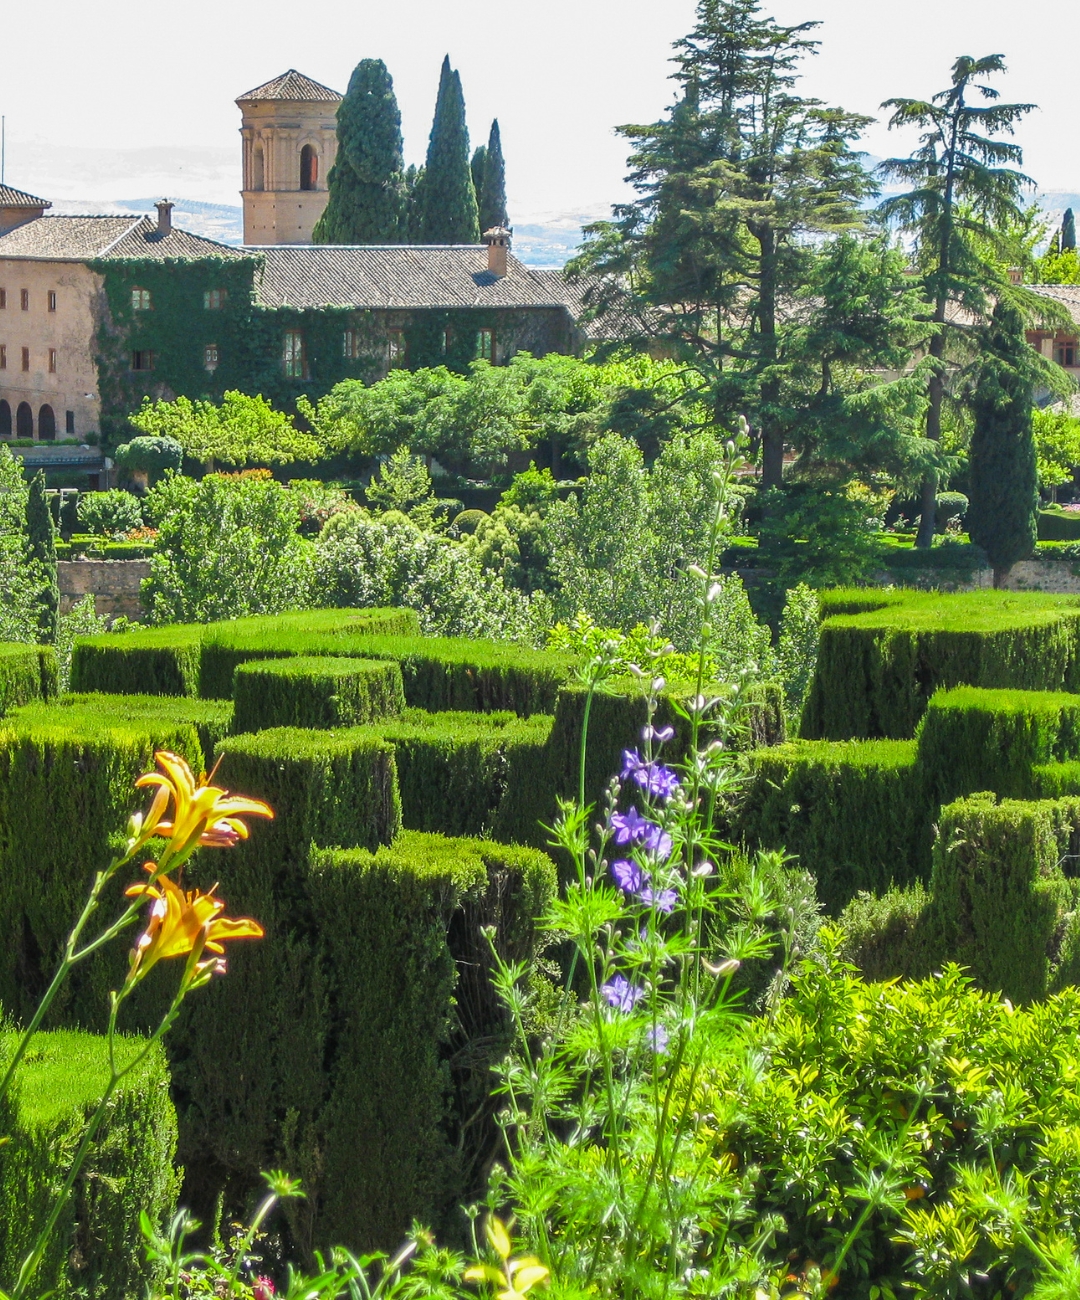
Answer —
932 793
409 777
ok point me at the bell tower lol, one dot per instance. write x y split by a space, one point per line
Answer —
289 132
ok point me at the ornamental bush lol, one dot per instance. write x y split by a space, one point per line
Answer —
110 514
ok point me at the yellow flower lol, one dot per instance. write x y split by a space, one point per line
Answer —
202 814
182 923
517 1276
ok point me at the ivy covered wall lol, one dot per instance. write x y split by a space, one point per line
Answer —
176 326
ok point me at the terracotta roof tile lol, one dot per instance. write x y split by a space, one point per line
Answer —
13 198
294 87
82 238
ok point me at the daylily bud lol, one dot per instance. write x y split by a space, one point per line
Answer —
725 968
696 571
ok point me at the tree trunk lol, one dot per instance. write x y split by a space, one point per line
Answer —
772 437
925 536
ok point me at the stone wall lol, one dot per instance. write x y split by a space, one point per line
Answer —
114 584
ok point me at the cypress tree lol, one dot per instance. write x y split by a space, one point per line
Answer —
1068 230
366 182
42 545
1001 515
479 158
491 195
446 199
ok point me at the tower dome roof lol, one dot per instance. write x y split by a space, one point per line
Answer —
293 87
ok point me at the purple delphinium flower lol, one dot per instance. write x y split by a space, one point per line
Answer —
630 827
659 781
663 900
657 1038
628 876
621 994
657 842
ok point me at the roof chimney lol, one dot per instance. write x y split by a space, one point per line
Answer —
164 216
498 247
1016 275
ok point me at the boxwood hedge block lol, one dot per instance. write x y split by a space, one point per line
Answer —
27 672
407 1128
141 661
854 812
1058 526
974 739
1055 780
877 669
96 1251
315 691
67 775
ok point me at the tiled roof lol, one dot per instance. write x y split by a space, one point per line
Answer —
1066 294
614 323
403 276
81 238
294 87
12 198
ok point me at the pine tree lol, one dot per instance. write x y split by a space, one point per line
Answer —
479 158
42 545
1068 231
366 183
491 194
1001 515
446 200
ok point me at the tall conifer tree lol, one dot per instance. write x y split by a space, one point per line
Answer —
1068 231
491 194
479 159
367 184
1004 498
446 200
42 544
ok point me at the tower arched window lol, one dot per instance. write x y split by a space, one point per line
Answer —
309 168
258 168
24 421
5 419
47 423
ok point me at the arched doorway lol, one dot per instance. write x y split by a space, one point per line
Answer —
5 420
46 423
258 170
24 421
309 167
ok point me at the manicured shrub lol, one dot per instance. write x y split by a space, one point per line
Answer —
891 934
407 1127
96 1250
1054 780
877 669
141 661
999 894
27 672
315 691
973 739
853 812
1058 526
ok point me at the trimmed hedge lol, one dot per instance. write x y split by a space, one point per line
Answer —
1058 526
854 812
877 669
67 776
96 1250
198 659
315 691
27 672
974 739
407 1127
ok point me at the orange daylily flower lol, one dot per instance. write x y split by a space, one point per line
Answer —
202 814
182 922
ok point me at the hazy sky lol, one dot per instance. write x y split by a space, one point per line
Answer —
559 74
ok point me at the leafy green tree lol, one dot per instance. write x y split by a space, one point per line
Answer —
367 181
148 458
1003 497
960 163
403 485
227 546
733 185
491 192
1057 447
445 200
110 514
243 430
42 542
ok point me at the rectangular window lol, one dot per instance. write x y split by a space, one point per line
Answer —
69 421
52 361
293 354
3 356
3 297
210 357
350 345
395 348
447 339
25 298
140 300
1066 353
142 360
486 350
214 299
26 358
52 299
